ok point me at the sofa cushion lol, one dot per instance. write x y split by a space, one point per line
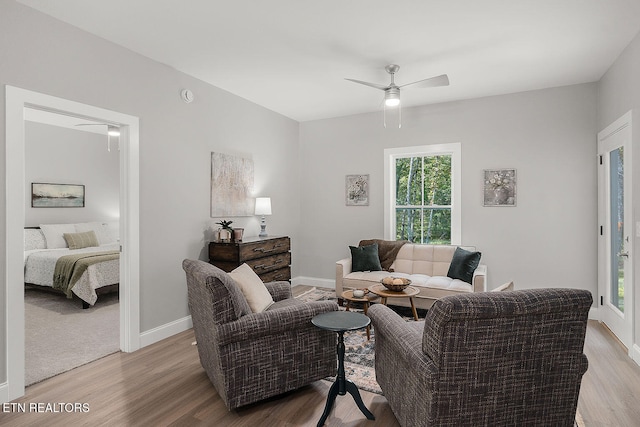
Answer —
362 279
463 264
365 258
387 250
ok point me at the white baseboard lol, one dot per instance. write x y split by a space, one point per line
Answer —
313 281
593 313
165 331
4 393
636 354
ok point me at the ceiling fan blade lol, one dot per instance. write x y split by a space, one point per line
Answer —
442 80
377 86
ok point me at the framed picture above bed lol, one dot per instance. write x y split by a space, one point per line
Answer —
44 195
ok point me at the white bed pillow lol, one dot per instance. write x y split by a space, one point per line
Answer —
252 288
34 239
54 234
104 231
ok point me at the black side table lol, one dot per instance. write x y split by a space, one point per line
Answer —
340 322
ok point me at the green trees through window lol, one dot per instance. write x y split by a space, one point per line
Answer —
423 199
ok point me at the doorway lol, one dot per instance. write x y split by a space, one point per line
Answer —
65 149
16 101
615 239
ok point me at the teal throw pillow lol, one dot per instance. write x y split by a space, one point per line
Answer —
365 258
463 264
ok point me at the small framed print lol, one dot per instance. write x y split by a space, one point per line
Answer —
499 187
357 190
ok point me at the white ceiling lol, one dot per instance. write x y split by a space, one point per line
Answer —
292 56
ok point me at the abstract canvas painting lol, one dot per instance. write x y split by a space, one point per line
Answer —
57 195
231 186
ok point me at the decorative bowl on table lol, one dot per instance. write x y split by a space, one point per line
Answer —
395 284
360 293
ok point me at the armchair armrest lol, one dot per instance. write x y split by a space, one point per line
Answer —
272 322
406 342
343 267
479 280
279 290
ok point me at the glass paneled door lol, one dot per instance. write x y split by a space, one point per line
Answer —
618 253
615 240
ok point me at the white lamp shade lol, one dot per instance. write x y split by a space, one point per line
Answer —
263 205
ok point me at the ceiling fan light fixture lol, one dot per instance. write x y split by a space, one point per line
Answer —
392 97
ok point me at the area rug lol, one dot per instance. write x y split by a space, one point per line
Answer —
359 353
60 335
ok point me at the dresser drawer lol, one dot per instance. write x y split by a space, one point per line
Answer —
280 275
269 263
260 249
253 248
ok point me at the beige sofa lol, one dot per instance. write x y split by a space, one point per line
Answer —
425 265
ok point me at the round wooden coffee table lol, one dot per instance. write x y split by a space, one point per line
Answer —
365 300
384 293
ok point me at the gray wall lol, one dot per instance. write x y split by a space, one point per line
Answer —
619 92
45 55
548 136
60 155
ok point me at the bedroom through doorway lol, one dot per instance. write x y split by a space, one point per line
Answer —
65 154
17 100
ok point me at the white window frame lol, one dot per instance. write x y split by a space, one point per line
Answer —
390 156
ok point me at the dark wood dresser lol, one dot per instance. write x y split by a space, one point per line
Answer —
269 257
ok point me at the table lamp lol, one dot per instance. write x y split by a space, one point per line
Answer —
263 207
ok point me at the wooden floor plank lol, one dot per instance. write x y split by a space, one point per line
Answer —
164 385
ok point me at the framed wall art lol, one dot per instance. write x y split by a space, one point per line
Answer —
357 190
231 186
44 195
499 187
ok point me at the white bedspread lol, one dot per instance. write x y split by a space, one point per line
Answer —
39 265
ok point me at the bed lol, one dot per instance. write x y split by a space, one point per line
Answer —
92 266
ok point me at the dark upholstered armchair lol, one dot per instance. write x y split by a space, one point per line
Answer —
252 356
485 359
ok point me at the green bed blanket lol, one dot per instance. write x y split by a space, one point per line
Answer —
69 268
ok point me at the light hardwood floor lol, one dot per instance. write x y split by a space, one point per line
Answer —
164 384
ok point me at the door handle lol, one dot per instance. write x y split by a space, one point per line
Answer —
624 254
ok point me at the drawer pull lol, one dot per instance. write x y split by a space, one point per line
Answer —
265 266
275 247
263 250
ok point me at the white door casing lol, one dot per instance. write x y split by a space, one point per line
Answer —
615 233
16 101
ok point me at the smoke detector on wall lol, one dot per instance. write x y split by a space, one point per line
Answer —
186 95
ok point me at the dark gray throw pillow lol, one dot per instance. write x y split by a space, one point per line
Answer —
365 258
463 264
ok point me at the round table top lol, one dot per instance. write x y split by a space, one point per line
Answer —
340 321
379 289
368 297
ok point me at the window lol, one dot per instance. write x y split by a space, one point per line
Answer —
422 194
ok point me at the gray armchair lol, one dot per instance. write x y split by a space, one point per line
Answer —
252 356
485 359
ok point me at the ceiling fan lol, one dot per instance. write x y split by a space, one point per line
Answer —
392 90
